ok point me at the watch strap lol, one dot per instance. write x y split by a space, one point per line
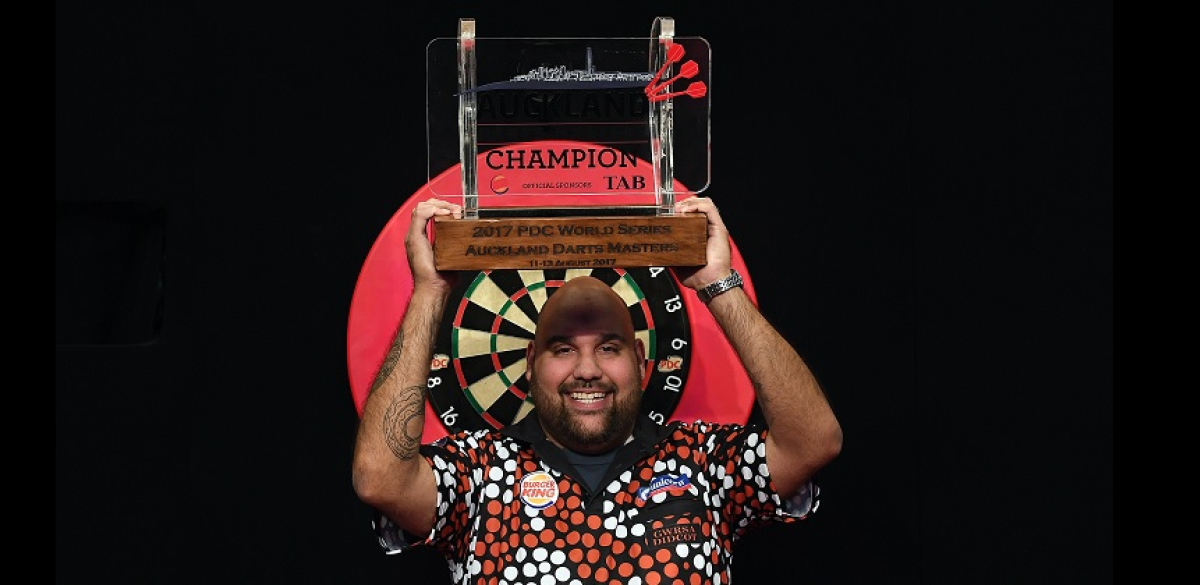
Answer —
722 286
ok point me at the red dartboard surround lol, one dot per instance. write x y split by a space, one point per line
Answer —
476 377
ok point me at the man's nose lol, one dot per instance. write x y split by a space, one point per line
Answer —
587 368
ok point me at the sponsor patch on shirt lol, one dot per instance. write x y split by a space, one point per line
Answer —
538 490
675 484
659 536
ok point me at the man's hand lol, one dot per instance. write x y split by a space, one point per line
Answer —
419 247
717 253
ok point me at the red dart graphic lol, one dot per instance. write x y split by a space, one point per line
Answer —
695 89
687 71
675 53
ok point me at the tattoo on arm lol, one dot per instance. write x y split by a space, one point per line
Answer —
403 423
389 362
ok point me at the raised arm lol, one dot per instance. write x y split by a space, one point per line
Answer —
804 434
389 473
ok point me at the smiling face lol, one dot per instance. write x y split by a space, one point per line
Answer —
585 367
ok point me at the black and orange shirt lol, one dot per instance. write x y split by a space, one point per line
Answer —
511 508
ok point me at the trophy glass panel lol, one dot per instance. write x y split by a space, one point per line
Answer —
570 127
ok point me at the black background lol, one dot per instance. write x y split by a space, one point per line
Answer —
923 193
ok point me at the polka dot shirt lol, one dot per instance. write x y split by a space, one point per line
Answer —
512 510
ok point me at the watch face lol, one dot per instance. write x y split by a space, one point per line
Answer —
477 376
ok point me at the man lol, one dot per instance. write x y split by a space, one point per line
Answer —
587 489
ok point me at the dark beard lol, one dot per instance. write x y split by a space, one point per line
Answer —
560 424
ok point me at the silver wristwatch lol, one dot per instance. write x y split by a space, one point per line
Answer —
720 287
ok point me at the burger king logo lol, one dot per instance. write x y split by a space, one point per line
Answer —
538 490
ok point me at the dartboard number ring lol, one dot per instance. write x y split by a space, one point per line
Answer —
477 375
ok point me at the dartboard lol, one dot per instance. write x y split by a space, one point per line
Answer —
477 375
476 378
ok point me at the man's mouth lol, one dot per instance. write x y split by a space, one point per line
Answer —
586 397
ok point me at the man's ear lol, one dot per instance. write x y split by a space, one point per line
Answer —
641 351
529 360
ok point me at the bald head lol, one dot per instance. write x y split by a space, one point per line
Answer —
584 304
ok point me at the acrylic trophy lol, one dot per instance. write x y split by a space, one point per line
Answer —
570 152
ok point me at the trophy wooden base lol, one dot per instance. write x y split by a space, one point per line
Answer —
538 243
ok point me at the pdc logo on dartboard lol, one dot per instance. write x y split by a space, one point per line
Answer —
671 363
440 361
538 490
